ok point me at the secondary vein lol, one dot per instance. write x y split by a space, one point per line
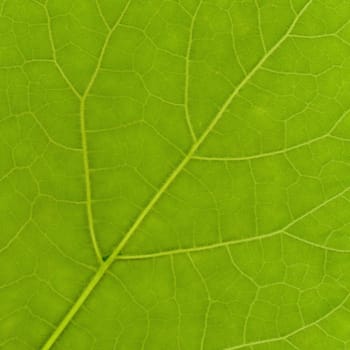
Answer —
187 73
84 137
88 182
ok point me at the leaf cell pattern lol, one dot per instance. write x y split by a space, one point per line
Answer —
174 174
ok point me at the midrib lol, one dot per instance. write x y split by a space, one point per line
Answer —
111 259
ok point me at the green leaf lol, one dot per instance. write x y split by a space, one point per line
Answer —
174 174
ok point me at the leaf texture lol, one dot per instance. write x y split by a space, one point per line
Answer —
174 174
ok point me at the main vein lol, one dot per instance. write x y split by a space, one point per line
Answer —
111 259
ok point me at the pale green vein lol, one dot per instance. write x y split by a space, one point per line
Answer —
282 230
106 265
262 155
202 248
49 137
100 12
213 246
281 151
84 136
60 250
209 301
88 181
289 335
54 55
261 34
16 235
187 72
83 130
317 245
103 51
76 306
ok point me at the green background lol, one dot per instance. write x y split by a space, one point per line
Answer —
175 174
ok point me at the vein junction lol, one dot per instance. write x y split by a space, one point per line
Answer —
105 265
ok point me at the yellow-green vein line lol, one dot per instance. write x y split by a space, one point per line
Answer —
187 73
84 137
105 265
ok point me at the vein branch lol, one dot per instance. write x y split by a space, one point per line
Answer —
296 331
84 136
82 99
88 182
54 55
282 230
187 73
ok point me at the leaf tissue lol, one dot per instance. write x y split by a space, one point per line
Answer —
175 174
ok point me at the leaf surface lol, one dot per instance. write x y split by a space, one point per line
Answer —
175 174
